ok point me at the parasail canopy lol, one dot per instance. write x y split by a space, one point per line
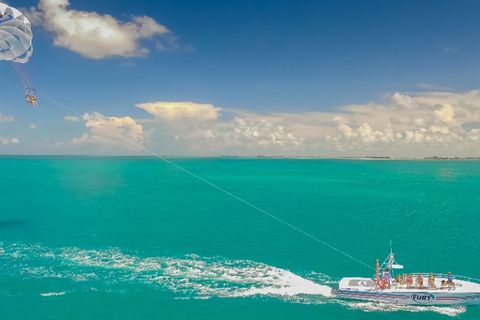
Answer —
15 35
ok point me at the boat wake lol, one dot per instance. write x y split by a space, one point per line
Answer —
187 277
190 276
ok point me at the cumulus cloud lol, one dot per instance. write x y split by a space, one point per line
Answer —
261 132
445 113
118 131
201 128
400 125
474 135
403 100
6 118
97 36
242 135
366 134
8 140
71 118
181 110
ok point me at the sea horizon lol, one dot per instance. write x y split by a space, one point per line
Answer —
306 157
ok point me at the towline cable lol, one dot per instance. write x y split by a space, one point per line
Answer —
211 184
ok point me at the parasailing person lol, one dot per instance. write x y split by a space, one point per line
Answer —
16 46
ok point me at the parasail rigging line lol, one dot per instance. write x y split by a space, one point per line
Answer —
22 75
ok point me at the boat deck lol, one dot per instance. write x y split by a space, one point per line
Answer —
368 284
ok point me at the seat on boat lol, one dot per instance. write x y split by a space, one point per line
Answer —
361 283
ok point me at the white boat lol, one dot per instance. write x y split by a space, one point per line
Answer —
440 289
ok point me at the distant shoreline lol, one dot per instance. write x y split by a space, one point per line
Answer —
365 158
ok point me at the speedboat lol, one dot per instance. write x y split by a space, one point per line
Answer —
388 285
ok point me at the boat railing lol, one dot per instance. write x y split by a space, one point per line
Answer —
454 276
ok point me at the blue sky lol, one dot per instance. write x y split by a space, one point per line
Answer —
281 77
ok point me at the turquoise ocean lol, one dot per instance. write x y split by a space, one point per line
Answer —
137 238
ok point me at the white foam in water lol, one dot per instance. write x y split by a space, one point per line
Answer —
284 283
190 277
205 277
52 294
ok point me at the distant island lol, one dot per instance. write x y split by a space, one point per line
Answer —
451 158
360 158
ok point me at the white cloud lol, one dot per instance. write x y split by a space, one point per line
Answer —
6 118
33 126
439 129
243 134
399 125
124 132
345 130
403 100
71 118
445 113
181 110
474 135
199 127
431 87
7 140
366 134
402 125
98 36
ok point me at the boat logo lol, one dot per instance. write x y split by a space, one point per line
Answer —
423 297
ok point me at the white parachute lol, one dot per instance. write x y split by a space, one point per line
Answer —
15 35
16 45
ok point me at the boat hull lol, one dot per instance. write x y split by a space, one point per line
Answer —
412 297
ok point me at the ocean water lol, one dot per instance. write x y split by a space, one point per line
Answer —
136 238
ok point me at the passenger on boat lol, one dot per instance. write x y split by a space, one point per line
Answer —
431 281
387 276
410 280
420 280
450 280
398 279
381 284
444 284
